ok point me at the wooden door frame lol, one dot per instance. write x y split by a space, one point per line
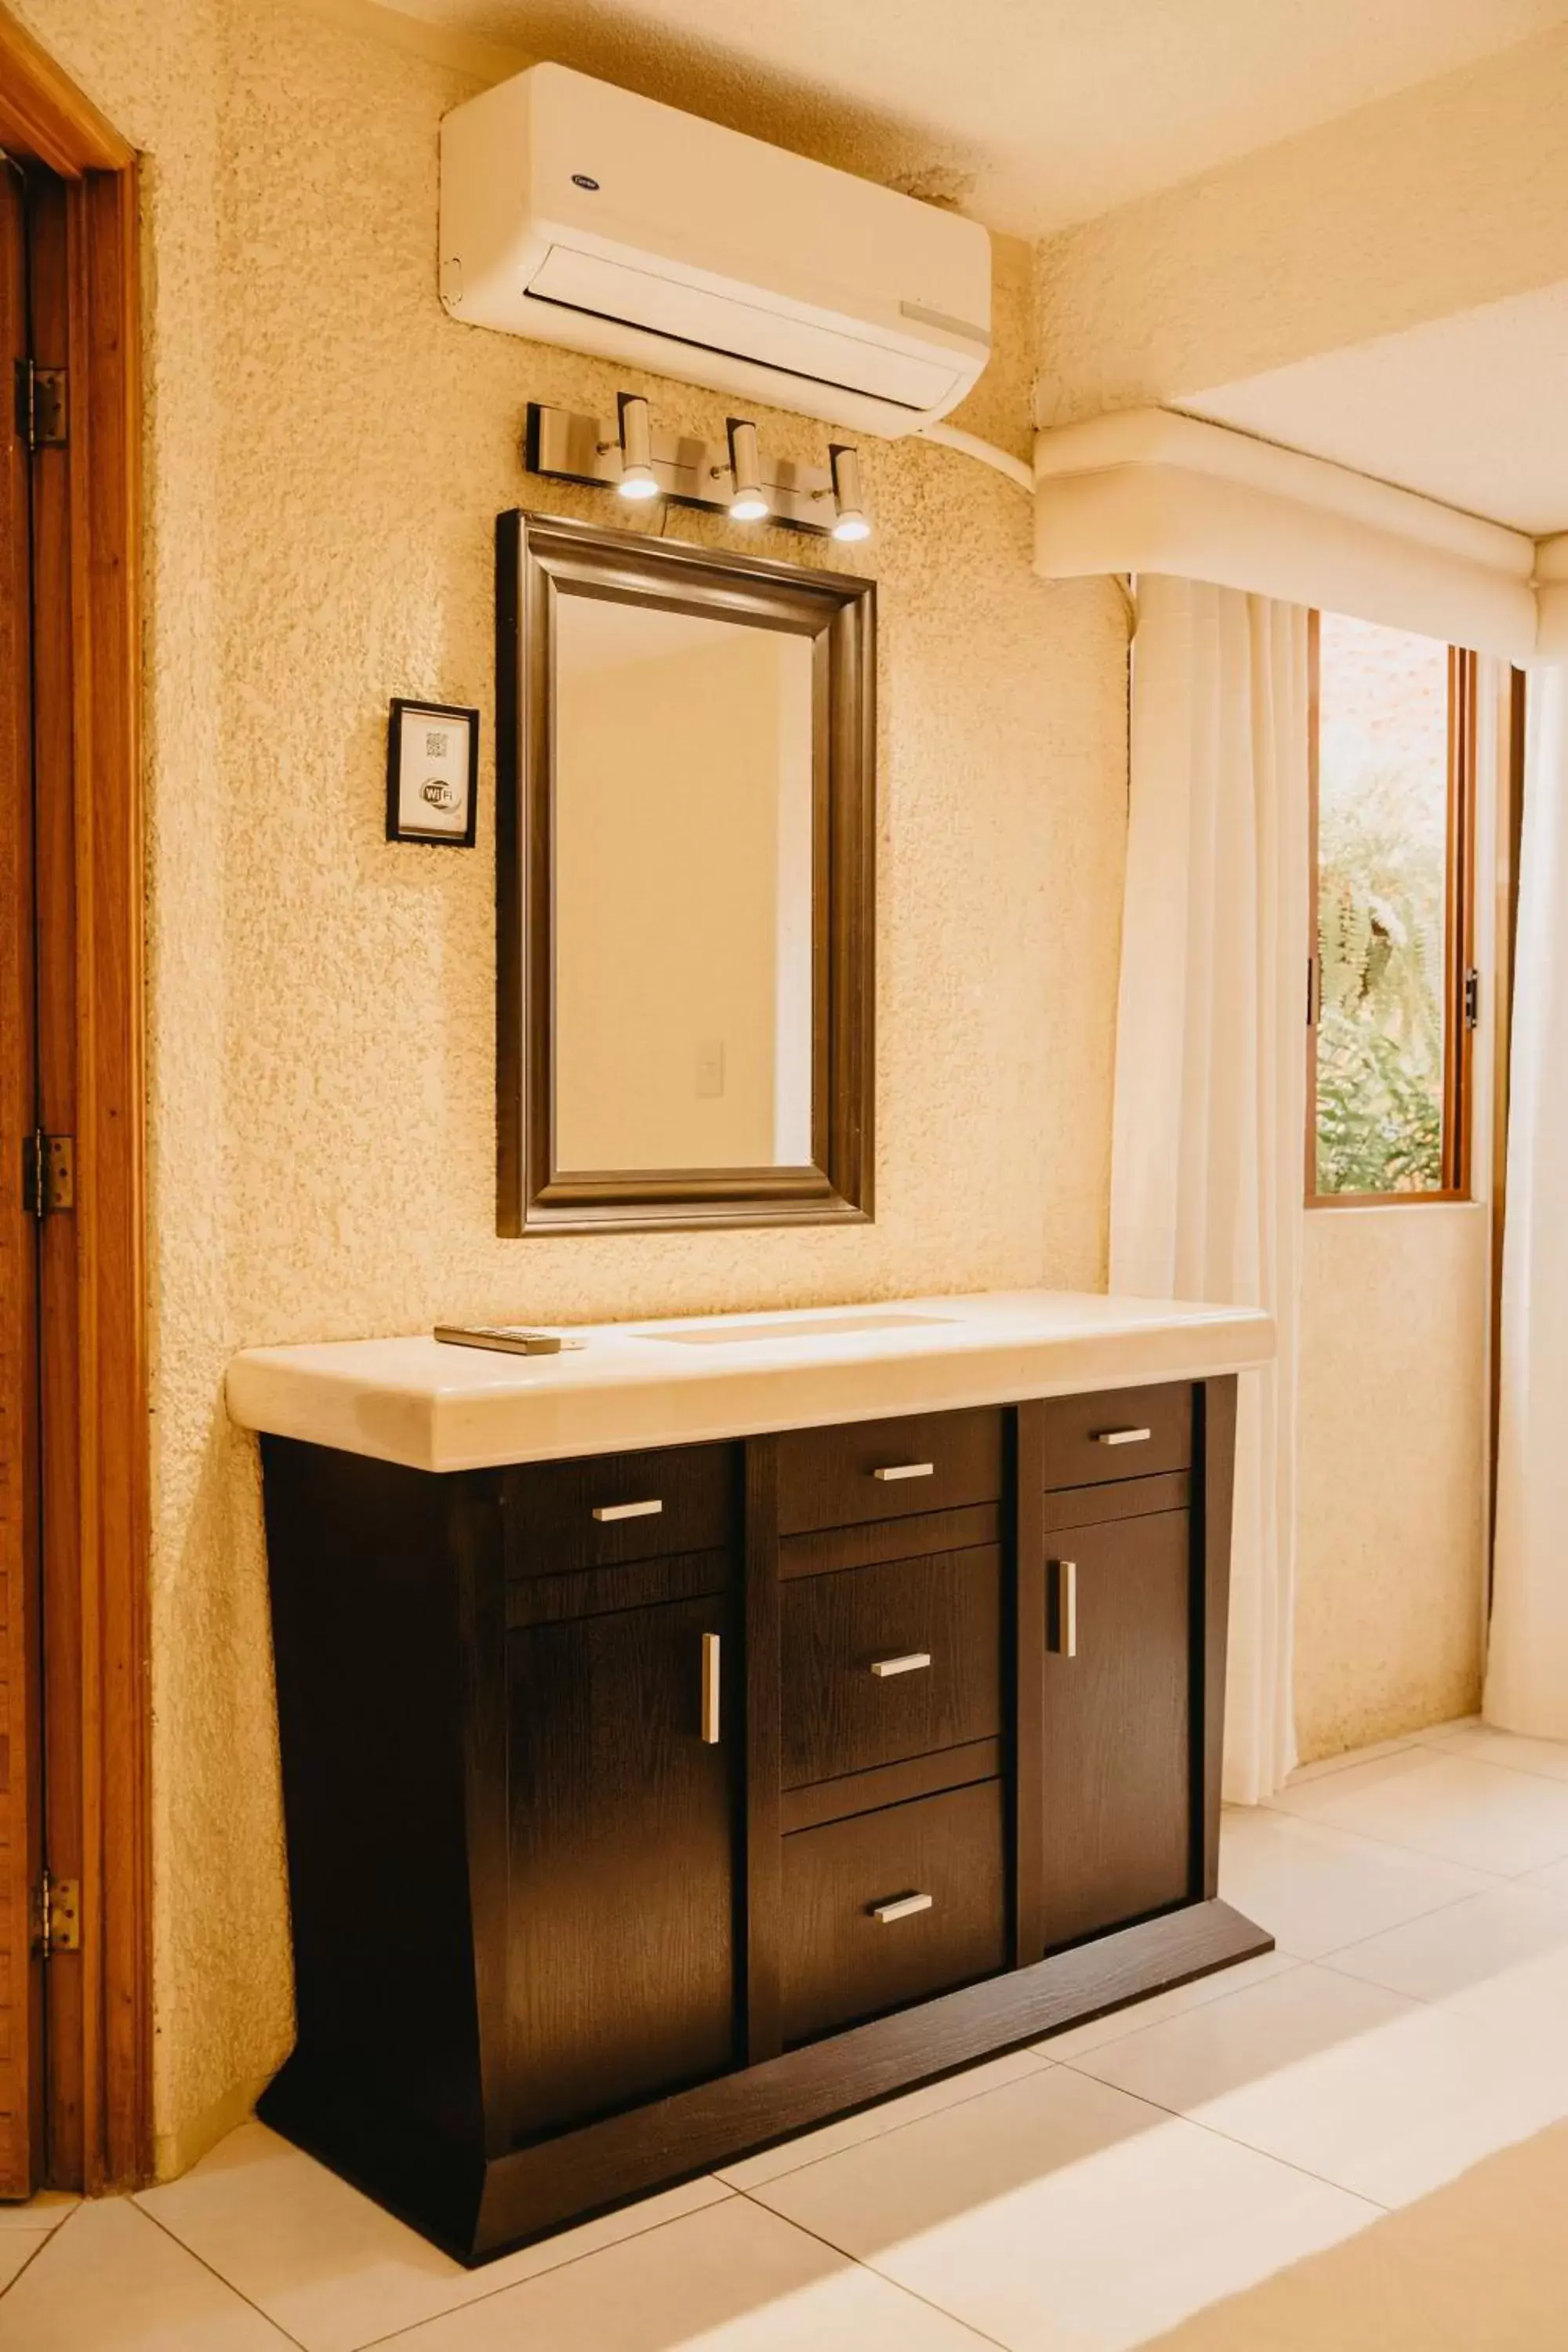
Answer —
102 1459
1512 705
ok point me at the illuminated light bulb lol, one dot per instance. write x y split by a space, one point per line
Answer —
851 522
750 503
638 480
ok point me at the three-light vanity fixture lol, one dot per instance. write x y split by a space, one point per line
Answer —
736 476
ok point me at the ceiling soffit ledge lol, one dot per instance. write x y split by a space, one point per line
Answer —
1148 490
1552 598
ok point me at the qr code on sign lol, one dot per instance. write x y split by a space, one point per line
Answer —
434 743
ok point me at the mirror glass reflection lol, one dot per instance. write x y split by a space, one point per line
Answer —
682 883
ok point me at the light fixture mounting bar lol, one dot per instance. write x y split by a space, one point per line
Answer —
568 447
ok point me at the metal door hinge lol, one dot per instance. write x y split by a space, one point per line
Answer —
56 1925
40 406
49 1173
1472 999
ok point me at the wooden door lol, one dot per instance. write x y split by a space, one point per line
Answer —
1119 1785
74 1424
20 1976
622 1950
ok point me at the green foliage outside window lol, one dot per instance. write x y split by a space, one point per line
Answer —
1382 873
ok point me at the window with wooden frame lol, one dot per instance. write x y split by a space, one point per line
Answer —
1392 989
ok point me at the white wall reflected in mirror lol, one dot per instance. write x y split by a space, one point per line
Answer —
682 874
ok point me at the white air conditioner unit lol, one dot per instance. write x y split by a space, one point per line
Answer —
576 213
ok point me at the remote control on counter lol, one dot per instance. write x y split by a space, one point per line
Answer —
506 1339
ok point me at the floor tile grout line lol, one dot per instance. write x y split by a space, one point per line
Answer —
1399 1844
1415 1852
48 2239
1307 1776
1152 2024
1480 1895
1324 1768
1232 2139
568 2261
1429 1748
1450 1902
1373 1984
286 2334
372 2343
983 2334
1272 1809
1495 1764
1028 2049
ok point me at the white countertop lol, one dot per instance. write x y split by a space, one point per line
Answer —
436 1407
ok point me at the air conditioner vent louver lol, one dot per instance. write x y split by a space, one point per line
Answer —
736 329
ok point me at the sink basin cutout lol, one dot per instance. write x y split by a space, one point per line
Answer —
736 1335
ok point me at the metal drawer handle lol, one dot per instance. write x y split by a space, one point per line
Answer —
1122 1436
710 1689
905 1470
903 1907
627 1510
910 1663
1063 1636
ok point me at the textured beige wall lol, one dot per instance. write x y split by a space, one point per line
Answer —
1443 196
1393 1410
327 454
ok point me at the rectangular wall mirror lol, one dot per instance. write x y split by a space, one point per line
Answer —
686 827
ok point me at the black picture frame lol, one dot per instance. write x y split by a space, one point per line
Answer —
396 829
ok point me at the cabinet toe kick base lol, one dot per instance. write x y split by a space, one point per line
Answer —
531 2191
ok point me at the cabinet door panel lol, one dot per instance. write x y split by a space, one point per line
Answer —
1118 1749
621 1962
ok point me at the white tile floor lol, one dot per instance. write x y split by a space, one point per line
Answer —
1079 2196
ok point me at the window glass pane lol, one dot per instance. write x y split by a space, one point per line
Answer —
1383 830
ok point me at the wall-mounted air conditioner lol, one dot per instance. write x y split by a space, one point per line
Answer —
576 213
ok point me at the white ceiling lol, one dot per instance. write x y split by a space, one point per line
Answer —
1469 409
1028 113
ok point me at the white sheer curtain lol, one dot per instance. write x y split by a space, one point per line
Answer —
1527 1671
1208 1165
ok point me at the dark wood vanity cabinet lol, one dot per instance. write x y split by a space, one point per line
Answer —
644 1809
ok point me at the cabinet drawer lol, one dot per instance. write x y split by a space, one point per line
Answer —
609 1507
888 1469
840 1714
1122 1433
942 1858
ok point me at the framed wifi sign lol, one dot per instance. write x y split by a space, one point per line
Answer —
431 772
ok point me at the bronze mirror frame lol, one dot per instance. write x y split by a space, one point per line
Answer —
540 558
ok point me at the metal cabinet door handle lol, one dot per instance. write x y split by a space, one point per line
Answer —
1122 1436
910 1663
905 1470
901 1906
710 1689
1062 1636
648 1510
